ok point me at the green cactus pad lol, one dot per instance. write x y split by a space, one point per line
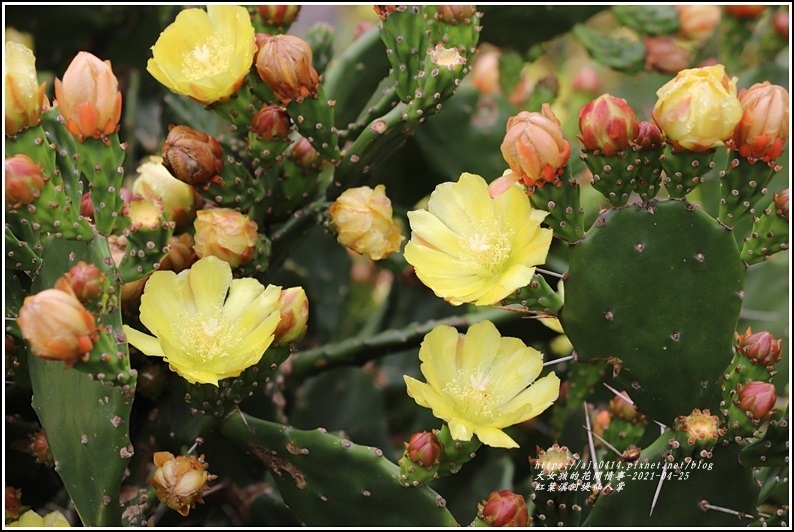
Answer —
327 480
656 291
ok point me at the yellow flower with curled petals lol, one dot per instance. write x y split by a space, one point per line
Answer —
205 54
205 324
481 382
471 248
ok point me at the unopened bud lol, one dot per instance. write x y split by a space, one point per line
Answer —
649 137
178 198
13 502
279 16
621 406
57 325
780 22
89 97
781 203
271 122
294 309
504 508
424 449
601 422
24 180
304 154
384 11
40 448
763 129
454 14
192 156
180 482
698 22
284 63
757 399
226 234
665 55
607 124
25 99
587 79
761 347
363 222
87 281
748 11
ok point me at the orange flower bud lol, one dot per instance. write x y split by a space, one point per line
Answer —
504 508
13 502
89 97
698 109
192 156
781 203
57 325
25 100
424 449
698 22
24 180
362 218
622 407
607 124
180 482
87 281
453 14
383 11
40 448
763 128
271 122
664 54
279 15
226 234
484 74
294 308
601 422
534 146
284 63
757 399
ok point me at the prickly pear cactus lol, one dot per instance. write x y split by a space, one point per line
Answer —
413 265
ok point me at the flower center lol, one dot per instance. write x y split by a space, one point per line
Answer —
473 393
207 59
488 250
207 338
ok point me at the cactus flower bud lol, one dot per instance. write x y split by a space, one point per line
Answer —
363 222
780 22
698 109
424 449
649 137
748 11
25 99
607 124
24 180
761 347
757 399
89 97
57 325
504 508
534 148
226 234
484 74
304 155
192 156
284 63
279 16
622 407
601 422
586 79
664 54
87 281
180 482
40 448
271 122
13 502
294 309
453 14
383 11
178 198
763 128
781 203
698 22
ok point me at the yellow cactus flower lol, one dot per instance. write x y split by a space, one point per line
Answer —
33 520
481 382
155 181
471 248
205 54
205 324
698 109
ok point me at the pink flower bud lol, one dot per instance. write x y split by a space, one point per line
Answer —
665 55
24 180
757 399
304 154
271 122
781 23
284 63
89 97
649 137
607 124
587 79
763 128
504 508
424 449
761 347
87 281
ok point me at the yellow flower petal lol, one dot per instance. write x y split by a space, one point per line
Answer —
531 401
145 343
495 438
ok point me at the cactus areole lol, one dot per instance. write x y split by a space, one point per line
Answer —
655 291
